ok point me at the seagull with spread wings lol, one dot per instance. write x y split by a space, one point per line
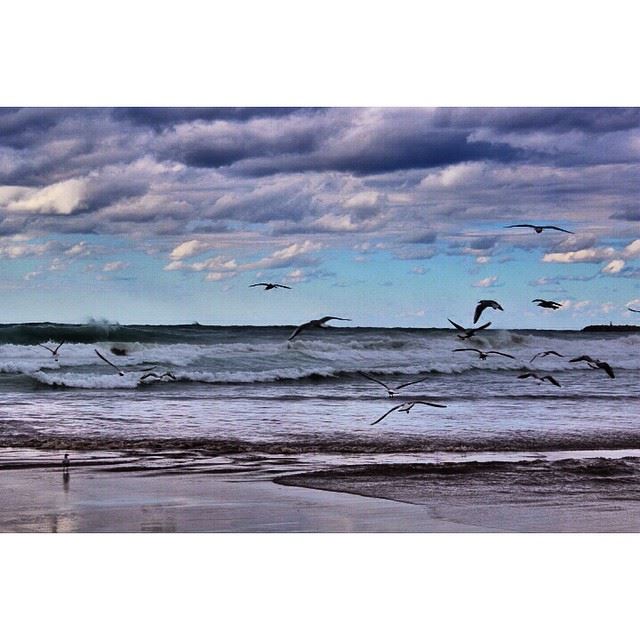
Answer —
537 228
547 304
120 372
321 323
551 379
151 374
468 333
392 391
269 285
544 354
54 352
484 304
406 407
483 354
596 364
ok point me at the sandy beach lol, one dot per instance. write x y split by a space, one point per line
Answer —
38 500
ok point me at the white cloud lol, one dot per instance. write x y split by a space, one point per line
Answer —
615 266
632 250
14 251
115 266
79 249
61 198
189 249
483 259
491 281
583 255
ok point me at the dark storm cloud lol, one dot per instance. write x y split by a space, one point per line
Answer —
329 172
554 119
393 151
632 215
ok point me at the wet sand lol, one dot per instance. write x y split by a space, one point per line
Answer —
38 500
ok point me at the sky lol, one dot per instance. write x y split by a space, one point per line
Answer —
388 216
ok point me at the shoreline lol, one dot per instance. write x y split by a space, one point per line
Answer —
38 500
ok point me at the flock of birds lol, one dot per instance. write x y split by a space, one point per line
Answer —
148 372
465 334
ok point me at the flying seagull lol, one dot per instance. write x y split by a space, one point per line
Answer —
551 379
634 310
547 304
482 305
54 352
269 285
483 354
392 391
406 407
544 354
469 333
537 228
121 373
596 364
151 374
315 323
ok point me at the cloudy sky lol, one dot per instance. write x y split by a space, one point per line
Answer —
392 217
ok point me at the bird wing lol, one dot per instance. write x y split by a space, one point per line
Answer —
538 300
553 353
581 359
527 375
109 363
512 226
259 284
373 379
282 286
327 318
56 349
383 416
479 309
431 404
297 330
44 346
552 380
634 310
406 384
607 367
537 354
476 350
456 325
557 228
499 353
483 326
149 375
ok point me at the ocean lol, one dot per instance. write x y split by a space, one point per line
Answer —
246 400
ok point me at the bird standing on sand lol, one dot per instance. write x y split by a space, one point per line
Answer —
66 463
544 354
269 285
596 364
537 228
54 352
392 391
406 407
547 304
468 333
551 379
483 354
484 304
321 323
